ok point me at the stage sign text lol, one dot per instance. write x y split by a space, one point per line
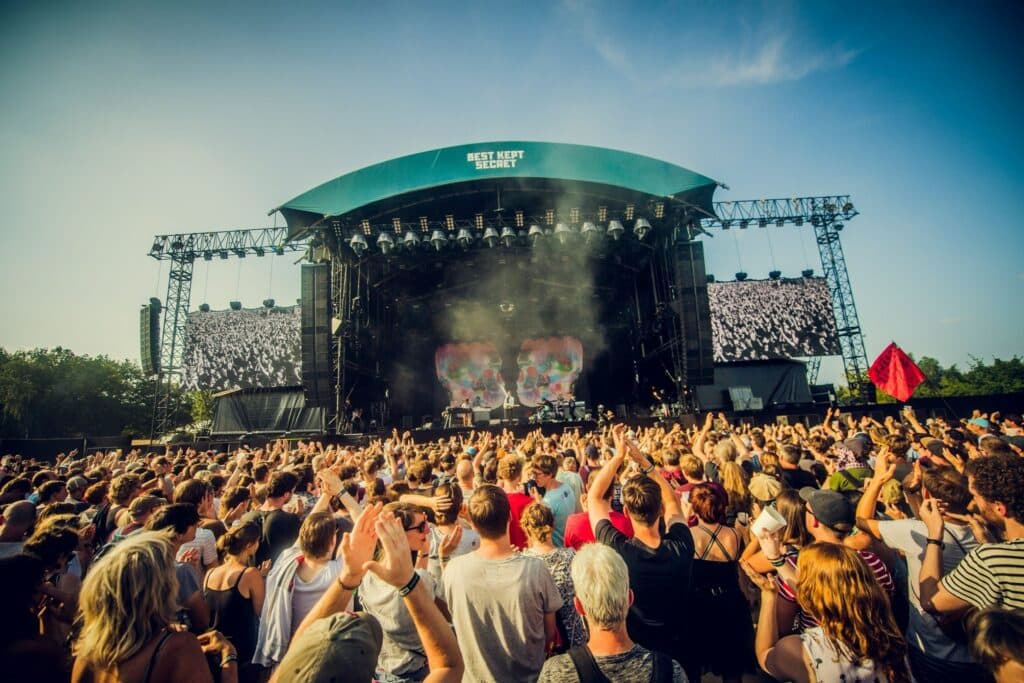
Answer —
501 158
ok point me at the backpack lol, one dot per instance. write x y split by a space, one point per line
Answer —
588 671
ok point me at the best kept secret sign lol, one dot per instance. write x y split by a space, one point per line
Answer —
500 158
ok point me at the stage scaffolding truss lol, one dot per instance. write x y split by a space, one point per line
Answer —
825 214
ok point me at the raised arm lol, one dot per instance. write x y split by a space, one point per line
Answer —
866 505
673 510
597 507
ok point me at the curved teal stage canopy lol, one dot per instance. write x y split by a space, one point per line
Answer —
523 174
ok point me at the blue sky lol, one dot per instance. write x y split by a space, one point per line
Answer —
121 121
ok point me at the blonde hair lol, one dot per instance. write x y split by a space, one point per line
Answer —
601 579
537 521
127 598
838 589
734 481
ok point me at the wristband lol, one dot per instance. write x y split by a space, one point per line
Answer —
226 662
778 561
648 470
348 588
936 541
407 588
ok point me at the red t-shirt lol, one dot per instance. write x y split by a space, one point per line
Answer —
517 502
578 531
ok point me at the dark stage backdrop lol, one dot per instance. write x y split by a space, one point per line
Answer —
763 319
775 382
265 410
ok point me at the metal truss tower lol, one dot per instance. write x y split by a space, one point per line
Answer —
182 250
827 216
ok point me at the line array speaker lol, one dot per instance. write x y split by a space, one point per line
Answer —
317 379
149 337
695 312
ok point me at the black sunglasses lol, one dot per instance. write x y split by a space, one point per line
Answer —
420 528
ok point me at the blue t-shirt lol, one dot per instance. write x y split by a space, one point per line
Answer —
562 502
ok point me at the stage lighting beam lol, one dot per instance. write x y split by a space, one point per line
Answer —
615 230
641 228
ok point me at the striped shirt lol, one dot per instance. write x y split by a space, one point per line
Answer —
875 564
991 575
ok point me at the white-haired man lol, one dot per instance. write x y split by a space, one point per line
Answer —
603 598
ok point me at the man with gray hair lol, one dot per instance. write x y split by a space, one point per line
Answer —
603 598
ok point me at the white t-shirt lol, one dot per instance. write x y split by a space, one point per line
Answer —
207 544
469 542
909 536
306 594
402 651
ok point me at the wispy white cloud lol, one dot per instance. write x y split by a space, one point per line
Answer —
764 57
773 61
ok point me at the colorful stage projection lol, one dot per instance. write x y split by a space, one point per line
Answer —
548 369
471 372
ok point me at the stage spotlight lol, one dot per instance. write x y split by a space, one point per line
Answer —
848 208
465 238
365 225
641 228
534 234
799 221
235 305
779 222
602 214
519 218
240 253
808 272
438 239
478 221
268 303
710 278
385 243
726 224
562 232
490 237
741 276
259 251
411 240
774 274
630 208
424 225
838 227
659 210
549 217
207 255
508 236
744 224
590 232
358 244
449 222
762 222
574 215
396 225
224 254
157 247
205 308
177 245
279 251
615 230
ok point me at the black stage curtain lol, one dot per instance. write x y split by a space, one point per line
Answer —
777 382
265 410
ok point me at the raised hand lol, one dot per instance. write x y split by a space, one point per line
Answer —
396 566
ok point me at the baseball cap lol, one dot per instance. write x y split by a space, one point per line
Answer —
341 647
764 488
980 422
829 507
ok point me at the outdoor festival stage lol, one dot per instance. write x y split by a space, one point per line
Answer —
510 273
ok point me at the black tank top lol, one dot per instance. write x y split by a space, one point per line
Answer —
233 614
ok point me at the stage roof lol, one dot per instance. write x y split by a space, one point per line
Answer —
463 174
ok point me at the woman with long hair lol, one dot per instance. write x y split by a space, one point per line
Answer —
716 588
538 522
234 592
794 535
856 639
734 481
127 609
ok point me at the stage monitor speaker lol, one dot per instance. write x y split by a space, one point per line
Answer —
317 378
694 312
149 337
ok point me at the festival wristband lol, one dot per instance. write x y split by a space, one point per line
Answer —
407 588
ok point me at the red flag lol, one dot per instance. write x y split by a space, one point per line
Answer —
895 373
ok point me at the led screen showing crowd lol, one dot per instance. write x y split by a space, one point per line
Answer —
763 319
251 347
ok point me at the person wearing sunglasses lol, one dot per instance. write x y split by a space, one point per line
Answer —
402 656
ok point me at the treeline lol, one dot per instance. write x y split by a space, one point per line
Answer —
56 393
979 379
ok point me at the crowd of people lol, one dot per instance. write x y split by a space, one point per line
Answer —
850 550
251 347
763 319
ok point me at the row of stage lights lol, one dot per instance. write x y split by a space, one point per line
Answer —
237 305
772 275
491 237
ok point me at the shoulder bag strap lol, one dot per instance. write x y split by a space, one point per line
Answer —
661 669
152 658
586 666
